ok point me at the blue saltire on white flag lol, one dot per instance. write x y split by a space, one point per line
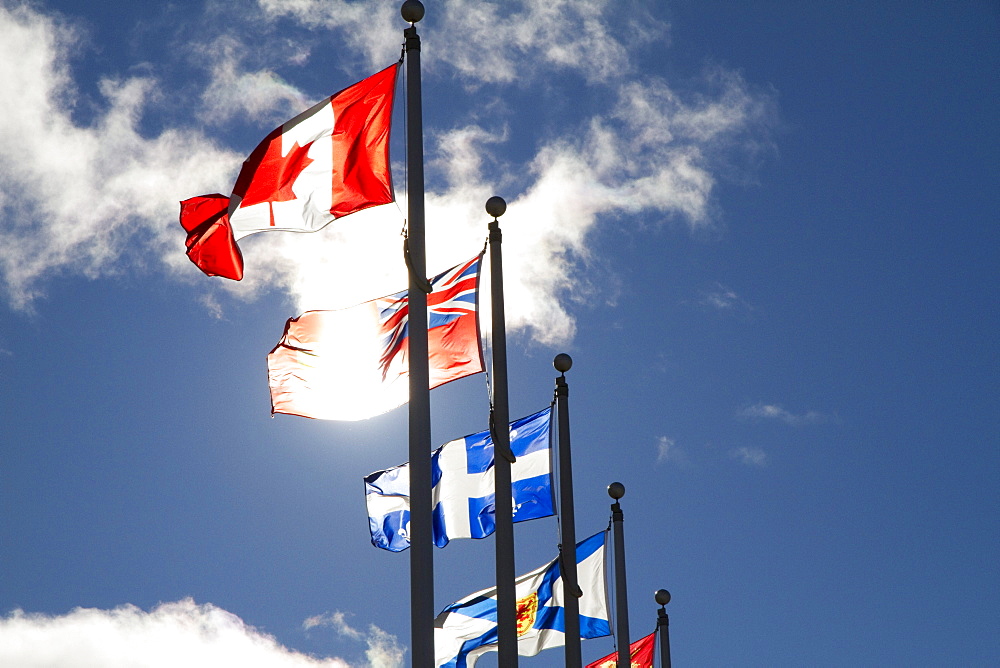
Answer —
462 479
466 630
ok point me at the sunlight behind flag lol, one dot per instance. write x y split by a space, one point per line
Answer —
352 364
319 352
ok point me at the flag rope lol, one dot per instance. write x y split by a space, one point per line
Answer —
554 467
487 349
505 452
556 472
406 162
557 493
609 584
421 281
406 143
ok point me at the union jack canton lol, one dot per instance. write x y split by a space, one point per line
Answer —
452 297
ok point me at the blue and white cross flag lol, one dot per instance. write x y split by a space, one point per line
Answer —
467 629
462 479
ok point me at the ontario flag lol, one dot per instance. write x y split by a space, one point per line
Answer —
640 655
353 363
329 161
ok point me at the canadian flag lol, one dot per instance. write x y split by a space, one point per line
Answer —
327 162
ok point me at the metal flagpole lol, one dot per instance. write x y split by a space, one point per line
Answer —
663 627
616 491
503 458
567 523
421 547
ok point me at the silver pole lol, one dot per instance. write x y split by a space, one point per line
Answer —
421 545
616 491
503 458
663 627
567 522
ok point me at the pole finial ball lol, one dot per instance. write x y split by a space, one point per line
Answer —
412 11
562 362
662 596
616 490
495 206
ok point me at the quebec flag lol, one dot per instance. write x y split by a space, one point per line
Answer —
466 630
462 479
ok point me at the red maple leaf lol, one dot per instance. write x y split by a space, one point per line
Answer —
267 175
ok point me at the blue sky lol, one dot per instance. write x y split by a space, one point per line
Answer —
766 233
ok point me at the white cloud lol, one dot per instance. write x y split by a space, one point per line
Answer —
259 95
559 35
371 26
749 456
721 297
622 163
182 633
334 620
383 650
668 451
774 412
74 196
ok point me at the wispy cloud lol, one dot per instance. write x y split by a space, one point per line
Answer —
370 26
749 456
334 620
384 650
182 633
667 451
553 35
260 95
74 197
763 411
99 198
560 34
722 298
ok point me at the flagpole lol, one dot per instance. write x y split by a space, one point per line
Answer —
421 547
503 458
616 491
567 523
662 597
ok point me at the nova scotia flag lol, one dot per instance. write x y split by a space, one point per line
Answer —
467 629
462 479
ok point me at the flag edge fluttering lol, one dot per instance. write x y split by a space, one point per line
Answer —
211 242
388 542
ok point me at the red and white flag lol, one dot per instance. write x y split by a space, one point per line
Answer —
640 653
353 363
325 163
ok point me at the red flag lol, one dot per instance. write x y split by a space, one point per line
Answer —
327 162
353 364
640 653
